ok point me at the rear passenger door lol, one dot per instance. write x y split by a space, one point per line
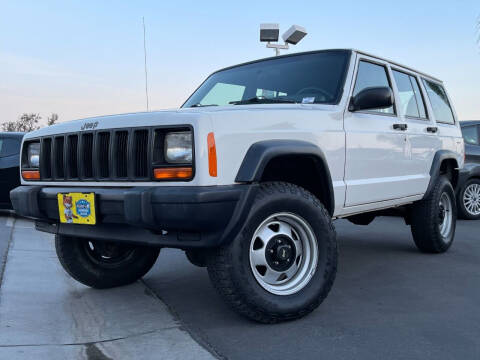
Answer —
375 148
422 132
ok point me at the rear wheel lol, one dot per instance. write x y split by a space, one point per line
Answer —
282 264
469 200
102 264
434 219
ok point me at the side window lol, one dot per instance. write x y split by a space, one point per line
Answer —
411 101
372 75
9 147
440 105
223 94
470 134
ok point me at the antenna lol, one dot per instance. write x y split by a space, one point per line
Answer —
145 57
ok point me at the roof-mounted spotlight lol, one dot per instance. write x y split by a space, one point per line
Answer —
269 33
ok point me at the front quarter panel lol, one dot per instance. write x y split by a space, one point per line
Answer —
237 129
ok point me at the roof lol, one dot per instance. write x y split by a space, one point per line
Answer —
340 50
398 64
469 123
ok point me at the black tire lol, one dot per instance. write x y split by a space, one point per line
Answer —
463 212
231 273
426 219
93 262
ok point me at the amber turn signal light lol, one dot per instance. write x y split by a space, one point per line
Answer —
212 155
31 174
173 173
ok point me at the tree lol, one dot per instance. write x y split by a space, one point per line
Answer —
52 119
26 123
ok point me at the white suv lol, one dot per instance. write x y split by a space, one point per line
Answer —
247 176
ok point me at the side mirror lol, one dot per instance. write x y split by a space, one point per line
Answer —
372 98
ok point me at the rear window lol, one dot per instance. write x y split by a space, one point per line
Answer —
439 101
470 134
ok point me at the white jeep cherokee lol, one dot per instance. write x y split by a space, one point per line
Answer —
247 176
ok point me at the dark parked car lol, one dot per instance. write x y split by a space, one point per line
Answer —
9 166
468 194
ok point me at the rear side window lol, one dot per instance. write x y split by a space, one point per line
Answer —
411 102
470 134
372 75
9 147
440 104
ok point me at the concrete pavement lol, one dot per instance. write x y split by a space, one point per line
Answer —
44 314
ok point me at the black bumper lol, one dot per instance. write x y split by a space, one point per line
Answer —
180 217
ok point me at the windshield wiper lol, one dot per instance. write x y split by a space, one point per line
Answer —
259 100
201 105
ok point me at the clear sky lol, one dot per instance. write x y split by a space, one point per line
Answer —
85 58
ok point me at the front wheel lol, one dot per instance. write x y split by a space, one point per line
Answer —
283 262
101 264
434 219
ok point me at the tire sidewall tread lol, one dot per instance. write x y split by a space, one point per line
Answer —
229 266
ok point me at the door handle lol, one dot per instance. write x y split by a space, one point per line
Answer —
432 129
401 127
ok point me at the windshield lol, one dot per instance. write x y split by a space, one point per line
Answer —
307 78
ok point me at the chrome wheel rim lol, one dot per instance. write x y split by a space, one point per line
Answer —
471 199
283 254
445 216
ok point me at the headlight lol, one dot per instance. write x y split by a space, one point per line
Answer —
178 147
33 155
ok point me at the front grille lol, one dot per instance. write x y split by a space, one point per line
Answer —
86 156
103 152
104 155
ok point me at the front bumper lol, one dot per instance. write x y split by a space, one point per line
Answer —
179 217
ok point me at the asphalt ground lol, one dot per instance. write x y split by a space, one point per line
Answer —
389 302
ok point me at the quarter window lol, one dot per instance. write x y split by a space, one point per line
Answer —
470 134
372 75
440 104
411 101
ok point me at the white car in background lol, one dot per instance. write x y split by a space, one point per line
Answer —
248 175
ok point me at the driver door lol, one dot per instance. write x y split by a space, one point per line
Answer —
376 146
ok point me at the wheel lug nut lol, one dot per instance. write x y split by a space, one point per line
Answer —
271 251
288 260
276 262
279 241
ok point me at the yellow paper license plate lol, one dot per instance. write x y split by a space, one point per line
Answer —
77 208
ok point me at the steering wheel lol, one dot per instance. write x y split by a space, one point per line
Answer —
313 89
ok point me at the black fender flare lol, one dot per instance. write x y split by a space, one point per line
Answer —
438 159
259 155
